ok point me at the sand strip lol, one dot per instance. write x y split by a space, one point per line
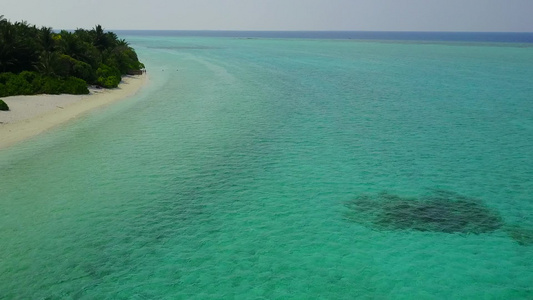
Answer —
32 115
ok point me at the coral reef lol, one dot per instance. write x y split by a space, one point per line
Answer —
440 211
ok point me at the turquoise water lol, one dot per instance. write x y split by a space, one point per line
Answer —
228 176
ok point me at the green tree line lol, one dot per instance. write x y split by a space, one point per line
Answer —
40 61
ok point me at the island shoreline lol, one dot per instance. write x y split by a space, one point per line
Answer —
32 115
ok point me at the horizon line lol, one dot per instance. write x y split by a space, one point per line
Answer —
264 30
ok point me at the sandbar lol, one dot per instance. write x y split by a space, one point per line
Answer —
31 115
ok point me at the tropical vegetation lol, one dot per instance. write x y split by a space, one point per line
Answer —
3 105
40 61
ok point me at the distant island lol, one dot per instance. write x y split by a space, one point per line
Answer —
40 61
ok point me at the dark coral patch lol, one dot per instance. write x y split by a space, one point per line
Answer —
522 236
440 211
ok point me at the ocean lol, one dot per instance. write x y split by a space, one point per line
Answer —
285 167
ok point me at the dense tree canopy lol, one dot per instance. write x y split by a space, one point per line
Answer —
38 60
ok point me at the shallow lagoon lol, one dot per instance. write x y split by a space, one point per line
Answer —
229 176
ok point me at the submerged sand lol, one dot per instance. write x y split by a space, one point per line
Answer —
31 115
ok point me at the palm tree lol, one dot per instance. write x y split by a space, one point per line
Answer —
47 39
122 43
18 49
100 38
46 63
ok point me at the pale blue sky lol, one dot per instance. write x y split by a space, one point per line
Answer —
378 15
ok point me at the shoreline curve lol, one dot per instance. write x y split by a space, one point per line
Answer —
32 115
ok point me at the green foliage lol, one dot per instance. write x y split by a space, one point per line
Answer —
124 59
73 85
108 82
62 65
67 66
83 70
47 62
50 85
108 77
29 83
106 71
3 105
21 84
19 46
4 77
79 47
14 85
29 76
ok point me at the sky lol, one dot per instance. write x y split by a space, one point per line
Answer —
356 15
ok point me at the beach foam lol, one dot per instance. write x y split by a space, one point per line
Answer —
32 115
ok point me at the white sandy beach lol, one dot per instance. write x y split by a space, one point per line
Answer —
32 115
